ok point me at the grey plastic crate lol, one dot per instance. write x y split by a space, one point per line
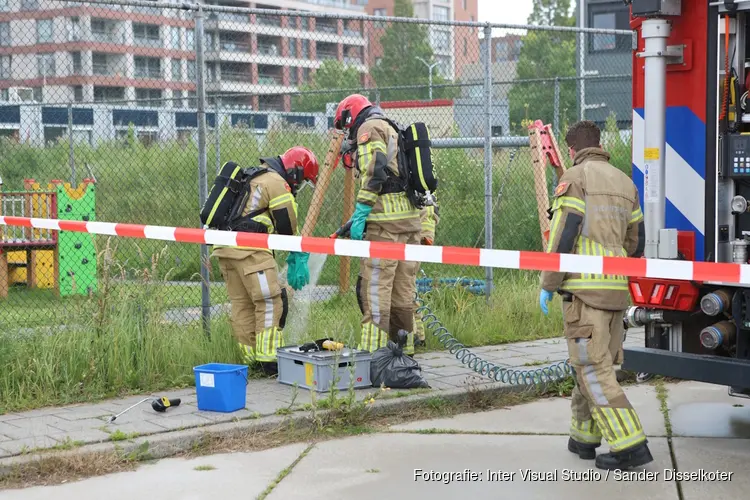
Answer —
315 370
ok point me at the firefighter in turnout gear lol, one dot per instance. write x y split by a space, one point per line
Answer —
259 301
596 211
385 288
430 218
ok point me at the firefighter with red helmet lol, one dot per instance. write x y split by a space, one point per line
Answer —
385 288
259 301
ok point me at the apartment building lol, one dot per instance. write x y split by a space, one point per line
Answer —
505 48
60 52
453 47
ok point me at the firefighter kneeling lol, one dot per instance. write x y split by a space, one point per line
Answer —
385 288
596 211
260 200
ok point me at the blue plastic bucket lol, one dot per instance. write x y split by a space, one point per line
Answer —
221 387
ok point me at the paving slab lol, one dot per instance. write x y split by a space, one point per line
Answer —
386 466
549 416
233 475
706 410
698 456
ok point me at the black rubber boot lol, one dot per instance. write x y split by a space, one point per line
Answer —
585 451
269 369
625 459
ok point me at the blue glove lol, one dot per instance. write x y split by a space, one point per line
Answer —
358 221
544 298
298 274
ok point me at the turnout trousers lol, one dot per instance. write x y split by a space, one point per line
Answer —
385 292
259 308
599 405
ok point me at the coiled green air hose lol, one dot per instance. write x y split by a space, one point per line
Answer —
554 372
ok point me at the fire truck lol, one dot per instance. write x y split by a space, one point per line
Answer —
691 163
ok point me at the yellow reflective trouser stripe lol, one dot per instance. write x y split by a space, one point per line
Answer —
266 344
621 427
409 347
280 200
636 216
373 338
570 202
585 432
248 353
429 226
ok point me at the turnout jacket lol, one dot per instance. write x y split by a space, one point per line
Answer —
272 198
595 211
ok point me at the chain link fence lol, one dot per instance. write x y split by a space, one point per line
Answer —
124 111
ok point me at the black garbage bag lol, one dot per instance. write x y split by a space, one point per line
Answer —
390 367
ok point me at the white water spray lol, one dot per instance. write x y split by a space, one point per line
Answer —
299 308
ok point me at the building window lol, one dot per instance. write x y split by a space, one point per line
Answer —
606 42
464 4
379 13
44 31
191 70
441 40
5 34
440 13
175 38
147 67
76 57
146 34
305 49
189 39
6 67
4 6
361 2
78 93
292 48
104 94
29 4
444 65
148 97
46 64
176 70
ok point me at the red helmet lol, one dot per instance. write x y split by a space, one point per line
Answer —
349 109
300 165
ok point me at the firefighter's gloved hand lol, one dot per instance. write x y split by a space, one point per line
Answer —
298 274
544 298
358 220
426 241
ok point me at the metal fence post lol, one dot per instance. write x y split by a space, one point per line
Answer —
202 165
488 241
217 134
71 152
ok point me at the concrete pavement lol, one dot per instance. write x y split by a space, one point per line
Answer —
521 454
86 424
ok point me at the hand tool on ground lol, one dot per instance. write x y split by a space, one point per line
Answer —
113 417
161 404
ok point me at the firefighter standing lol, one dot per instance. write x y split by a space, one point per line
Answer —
385 288
259 301
596 211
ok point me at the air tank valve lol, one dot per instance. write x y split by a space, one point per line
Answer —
739 205
719 334
716 302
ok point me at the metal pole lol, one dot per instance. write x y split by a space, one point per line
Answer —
202 165
71 152
488 241
655 33
431 82
217 136
581 60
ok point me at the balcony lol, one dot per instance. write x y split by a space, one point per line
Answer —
153 74
268 49
236 76
351 32
267 79
326 56
326 27
341 4
147 42
102 69
266 20
107 37
234 46
353 60
229 17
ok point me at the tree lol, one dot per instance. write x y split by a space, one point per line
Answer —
545 55
330 75
402 44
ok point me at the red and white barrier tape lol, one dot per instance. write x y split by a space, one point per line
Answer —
478 257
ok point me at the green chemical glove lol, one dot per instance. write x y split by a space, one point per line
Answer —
358 221
298 274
